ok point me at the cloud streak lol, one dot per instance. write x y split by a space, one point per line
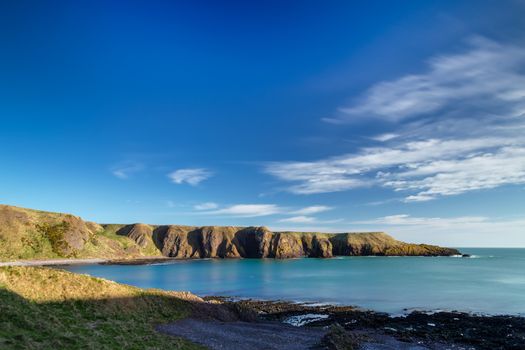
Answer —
190 176
460 129
487 70
125 169
206 206
463 231
248 210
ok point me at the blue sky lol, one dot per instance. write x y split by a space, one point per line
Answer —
399 116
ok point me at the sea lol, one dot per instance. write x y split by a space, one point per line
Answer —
491 281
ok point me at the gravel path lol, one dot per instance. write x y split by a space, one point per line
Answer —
244 335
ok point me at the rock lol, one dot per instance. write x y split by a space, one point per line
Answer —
140 233
287 246
338 338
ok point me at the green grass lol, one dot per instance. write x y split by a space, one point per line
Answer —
53 309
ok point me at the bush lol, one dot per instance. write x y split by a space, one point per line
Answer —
56 236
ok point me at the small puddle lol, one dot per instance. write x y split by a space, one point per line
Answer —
301 320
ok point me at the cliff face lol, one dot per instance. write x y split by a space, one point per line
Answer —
46 235
258 242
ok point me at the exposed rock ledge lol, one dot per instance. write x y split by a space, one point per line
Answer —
259 242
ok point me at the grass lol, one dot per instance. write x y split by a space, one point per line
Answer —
44 308
33 234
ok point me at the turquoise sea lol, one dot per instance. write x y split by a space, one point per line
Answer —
492 281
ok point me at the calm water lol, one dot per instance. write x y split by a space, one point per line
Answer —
492 281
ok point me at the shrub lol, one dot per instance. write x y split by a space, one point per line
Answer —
56 236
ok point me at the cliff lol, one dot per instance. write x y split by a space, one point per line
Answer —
30 234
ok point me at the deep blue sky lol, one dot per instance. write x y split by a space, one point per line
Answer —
403 116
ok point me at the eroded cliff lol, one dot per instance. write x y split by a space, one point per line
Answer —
259 242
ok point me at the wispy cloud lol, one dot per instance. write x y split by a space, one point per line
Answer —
488 70
462 231
385 137
124 170
206 206
299 219
254 210
304 219
314 209
248 210
191 176
405 219
468 134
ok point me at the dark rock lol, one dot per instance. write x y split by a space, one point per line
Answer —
337 338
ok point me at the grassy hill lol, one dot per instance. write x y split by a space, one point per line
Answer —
44 308
35 234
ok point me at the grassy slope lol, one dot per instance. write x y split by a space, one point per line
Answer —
20 237
52 309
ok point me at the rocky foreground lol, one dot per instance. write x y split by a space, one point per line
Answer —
346 327
32 234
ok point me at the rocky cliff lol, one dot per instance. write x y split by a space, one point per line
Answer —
259 242
29 234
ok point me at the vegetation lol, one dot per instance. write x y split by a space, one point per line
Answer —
53 309
55 234
35 234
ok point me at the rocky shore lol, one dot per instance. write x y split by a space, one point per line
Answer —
350 325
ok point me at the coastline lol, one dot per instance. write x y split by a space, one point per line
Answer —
428 330
87 261
146 260
258 324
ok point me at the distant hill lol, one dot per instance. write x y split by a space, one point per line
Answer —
34 234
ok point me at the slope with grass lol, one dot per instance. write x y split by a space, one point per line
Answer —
44 308
32 234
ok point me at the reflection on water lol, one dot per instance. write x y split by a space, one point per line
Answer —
494 282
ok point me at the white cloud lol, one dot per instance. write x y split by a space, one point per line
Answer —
254 210
314 209
488 70
473 140
299 219
248 210
192 176
405 219
206 206
304 219
125 169
463 231
385 137
430 168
